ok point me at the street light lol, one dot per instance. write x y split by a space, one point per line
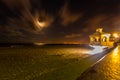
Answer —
115 35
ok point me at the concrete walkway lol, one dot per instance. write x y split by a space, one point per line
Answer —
106 69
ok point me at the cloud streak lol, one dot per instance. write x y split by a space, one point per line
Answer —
68 17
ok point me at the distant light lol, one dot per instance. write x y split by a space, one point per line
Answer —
39 43
106 35
115 35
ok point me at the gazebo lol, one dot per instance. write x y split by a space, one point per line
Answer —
101 38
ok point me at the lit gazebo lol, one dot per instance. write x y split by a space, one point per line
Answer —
101 38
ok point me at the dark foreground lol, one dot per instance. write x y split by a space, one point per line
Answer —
107 69
45 63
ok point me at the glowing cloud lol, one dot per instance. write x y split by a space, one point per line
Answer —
41 24
42 20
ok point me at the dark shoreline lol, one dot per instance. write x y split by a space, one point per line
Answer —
12 45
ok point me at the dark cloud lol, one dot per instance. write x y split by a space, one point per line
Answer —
44 20
68 16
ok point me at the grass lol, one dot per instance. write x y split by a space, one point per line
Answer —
35 63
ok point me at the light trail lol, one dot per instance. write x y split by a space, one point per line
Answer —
97 49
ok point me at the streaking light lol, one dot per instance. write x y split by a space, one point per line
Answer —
97 49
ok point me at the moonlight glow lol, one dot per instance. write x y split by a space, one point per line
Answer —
41 24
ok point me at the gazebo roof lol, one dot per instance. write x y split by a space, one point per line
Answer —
98 34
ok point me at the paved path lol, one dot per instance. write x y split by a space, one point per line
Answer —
107 69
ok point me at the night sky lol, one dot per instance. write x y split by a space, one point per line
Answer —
56 21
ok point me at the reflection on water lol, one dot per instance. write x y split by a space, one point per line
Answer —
115 55
114 65
107 69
